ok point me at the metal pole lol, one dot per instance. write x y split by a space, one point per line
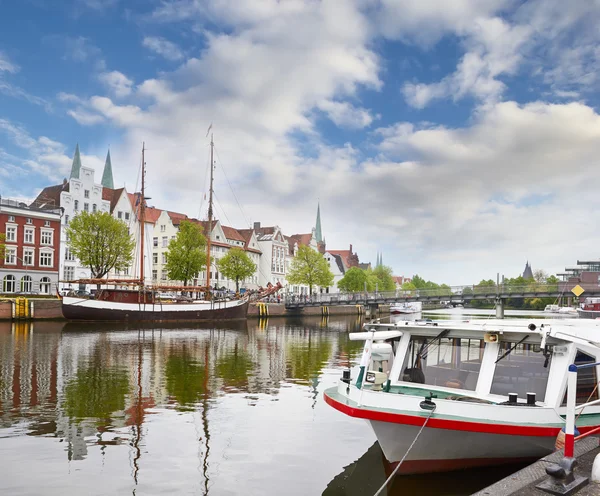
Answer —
571 400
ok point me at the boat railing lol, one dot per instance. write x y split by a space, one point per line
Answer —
572 408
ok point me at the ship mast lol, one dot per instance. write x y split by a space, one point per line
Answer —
210 215
142 218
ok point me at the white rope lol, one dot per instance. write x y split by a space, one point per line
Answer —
405 454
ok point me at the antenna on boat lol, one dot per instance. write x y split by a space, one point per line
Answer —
210 214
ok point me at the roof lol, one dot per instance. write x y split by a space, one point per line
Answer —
339 262
152 214
107 175
344 254
49 197
231 233
265 230
76 165
176 217
247 235
302 239
112 195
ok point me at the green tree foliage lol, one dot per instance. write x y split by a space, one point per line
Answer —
97 391
305 361
310 268
233 368
100 242
383 278
186 379
354 280
186 255
236 265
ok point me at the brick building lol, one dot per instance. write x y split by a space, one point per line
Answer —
32 256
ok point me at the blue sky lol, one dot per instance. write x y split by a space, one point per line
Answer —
459 138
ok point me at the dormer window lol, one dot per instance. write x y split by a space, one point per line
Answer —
47 223
29 220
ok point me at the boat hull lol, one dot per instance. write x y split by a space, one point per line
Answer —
588 314
441 450
94 310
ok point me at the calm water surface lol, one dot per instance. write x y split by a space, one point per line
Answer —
238 409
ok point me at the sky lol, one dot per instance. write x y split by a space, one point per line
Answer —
458 138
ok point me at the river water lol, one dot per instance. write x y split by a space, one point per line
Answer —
236 409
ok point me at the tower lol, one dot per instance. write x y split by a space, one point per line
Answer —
76 167
318 231
527 273
107 175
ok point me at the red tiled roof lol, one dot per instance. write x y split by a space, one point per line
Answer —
112 195
266 230
302 239
231 233
247 235
345 254
50 196
176 217
152 214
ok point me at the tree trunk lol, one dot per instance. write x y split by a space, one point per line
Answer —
310 289
237 285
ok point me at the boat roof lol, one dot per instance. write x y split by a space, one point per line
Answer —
584 331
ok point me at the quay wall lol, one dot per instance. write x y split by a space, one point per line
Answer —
278 309
30 309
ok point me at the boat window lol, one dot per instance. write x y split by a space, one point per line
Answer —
524 370
442 361
586 380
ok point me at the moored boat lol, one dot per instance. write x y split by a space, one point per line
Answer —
469 393
590 309
408 307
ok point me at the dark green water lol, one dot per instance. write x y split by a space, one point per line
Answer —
96 409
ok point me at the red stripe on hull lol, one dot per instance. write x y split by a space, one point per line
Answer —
439 423
429 466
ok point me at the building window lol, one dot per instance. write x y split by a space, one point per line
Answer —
29 220
86 207
120 215
26 283
126 215
69 273
164 258
94 207
163 228
11 218
28 256
154 275
69 256
165 241
45 259
155 258
10 256
28 238
46 223
76 205
46 238
86 193
11 233
66 220
155 242
45 285
164 276
9 283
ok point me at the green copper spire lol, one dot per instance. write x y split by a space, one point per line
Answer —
76 167
107 176
318 233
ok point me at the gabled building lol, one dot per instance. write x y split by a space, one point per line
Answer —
349 258
336 265
275 250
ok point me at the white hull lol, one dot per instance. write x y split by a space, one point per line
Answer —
406 308
439 450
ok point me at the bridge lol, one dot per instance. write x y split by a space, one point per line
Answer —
452 295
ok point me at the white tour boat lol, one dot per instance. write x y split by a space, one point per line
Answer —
469 393
557 309
408 307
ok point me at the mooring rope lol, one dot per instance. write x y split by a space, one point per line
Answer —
405 455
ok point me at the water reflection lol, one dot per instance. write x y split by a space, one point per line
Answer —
120 401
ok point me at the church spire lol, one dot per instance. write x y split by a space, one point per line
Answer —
318 233
76 167
107 175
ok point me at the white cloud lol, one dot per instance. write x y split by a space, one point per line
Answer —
84 117
79 49
163 47
343 114
119 84
6 65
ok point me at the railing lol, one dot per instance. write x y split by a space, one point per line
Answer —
452 293
572 407
6 202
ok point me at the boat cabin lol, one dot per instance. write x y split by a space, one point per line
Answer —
485 362
126 296
591 304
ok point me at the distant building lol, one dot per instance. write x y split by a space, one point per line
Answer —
585 274
349 258
400 280
527 273
31 261
275 251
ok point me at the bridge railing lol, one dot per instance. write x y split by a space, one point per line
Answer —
452 293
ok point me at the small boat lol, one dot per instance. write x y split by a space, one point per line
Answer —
469 394
557 309
590 309
552 308
408 307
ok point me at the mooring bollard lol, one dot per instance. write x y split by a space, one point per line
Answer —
596 470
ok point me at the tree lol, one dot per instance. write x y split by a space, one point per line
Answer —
540 276
236 265
354 280
310 268
100 242
2 247
186 254
383 278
